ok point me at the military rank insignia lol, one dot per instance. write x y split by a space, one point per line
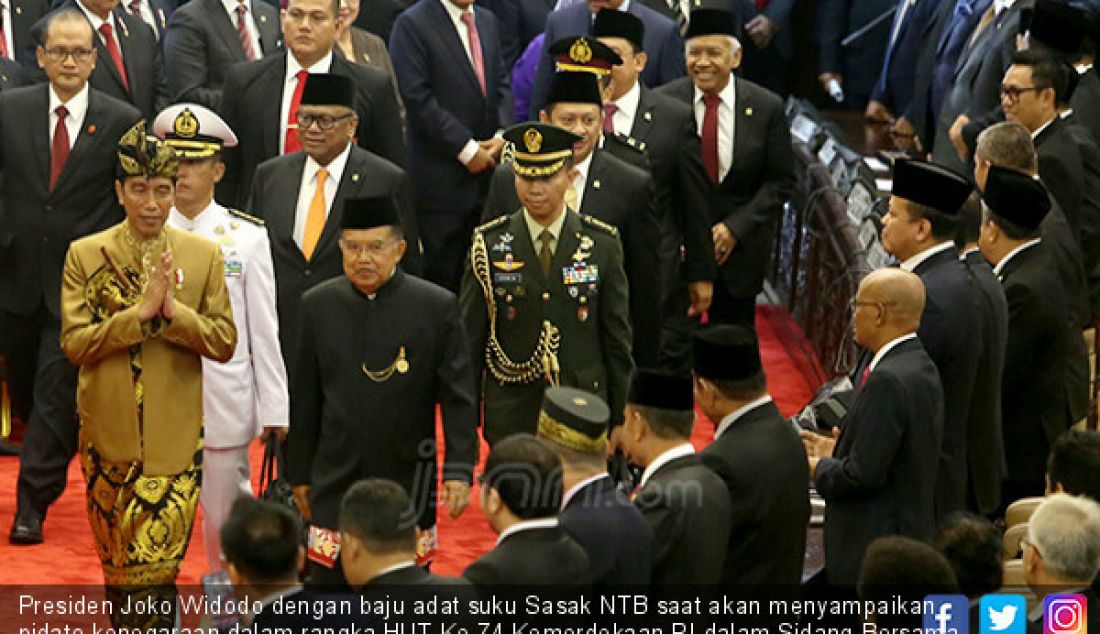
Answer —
509 264
234 267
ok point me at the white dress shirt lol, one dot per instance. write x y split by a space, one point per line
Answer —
736 415
529 525
725 124
668 456
98 22
916 260
581 180
394 568
249 24
1011 254
466 154
249 392
535 229
887 348
623 119
309 185
77 107
290 82
9 40
573 490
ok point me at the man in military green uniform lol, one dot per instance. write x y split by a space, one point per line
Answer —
545 296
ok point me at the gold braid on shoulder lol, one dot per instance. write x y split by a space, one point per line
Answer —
543 362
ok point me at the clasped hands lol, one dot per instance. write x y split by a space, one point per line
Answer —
818 446
158 299
487 156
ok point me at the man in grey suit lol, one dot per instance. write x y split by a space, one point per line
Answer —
206 37
301 198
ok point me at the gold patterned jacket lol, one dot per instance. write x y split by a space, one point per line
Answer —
99 325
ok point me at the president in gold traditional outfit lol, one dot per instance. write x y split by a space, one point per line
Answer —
141 304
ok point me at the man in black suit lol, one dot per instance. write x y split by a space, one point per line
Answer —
1035 403
129 65
288 190
1069 161
606 188
421 360
662 43
746 175
378 538
447 57
758 455
612 531
919 229
984 440
521 492
154 13
57 148
854 67
204 38
685 503
664 129
1074 463
877 473
251 92
1062 556
19 19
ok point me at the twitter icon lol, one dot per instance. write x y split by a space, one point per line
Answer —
1003 614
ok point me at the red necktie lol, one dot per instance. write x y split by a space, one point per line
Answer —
761 4
609 110
59 149
863 377
242 32
3 35
710 136
291 143
115 53
475 49
135 8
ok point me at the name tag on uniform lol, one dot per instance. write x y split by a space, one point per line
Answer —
507 278
234 268
580 273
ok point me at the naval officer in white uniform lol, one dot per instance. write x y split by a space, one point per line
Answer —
247 396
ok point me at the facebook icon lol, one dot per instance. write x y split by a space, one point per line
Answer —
946 614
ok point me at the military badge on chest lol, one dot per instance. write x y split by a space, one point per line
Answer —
400 365
581 278
507 274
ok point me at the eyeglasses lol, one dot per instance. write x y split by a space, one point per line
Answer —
856 303
324 122
360 250
1012 93
58 55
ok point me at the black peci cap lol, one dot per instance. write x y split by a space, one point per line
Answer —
726 353
930 185
1018 198
661 390
324 89
612 23
574 419
368 213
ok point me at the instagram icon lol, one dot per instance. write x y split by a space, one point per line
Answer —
1065 614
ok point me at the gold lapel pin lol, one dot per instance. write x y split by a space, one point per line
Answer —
596 184
649 116
748 112
355 178
263 18
19 10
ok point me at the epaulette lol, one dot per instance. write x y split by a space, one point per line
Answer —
243 216
492 224
596 222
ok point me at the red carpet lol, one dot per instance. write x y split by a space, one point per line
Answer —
67 557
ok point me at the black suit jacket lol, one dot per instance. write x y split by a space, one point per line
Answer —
251 100
378 16
881 477
414 576
664 128
25 14
331 444
761 460
950 330
444 103
274 198
38 224
141 54
613 533
861 62
12 74
520 21
1069 165
985 440
688 507
622 196
1034 404
1086 103
750 198
202 43
538 556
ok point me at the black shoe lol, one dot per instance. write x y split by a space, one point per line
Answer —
7 448
26 530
